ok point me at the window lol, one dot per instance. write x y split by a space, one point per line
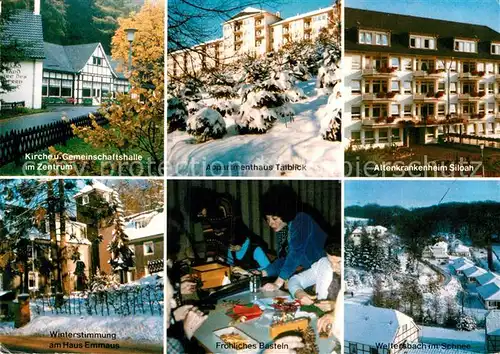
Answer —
465 46
491 88
395 62
453 87
495 48
33 280
85 200
453 108
149 248
369 136
356 62
355 112
407 64
422 42
441 110
383 135
45 88
55 89
491 108
489 68
407 86
453 66
441 86
66 88
407 110
355 86
96 60
356 136
373 351
373 38
352 348
395 135
395 86
395 110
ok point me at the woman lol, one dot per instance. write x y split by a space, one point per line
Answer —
305 239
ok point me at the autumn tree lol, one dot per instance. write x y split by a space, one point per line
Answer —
136 118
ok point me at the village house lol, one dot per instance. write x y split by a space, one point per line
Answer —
457 248
437 251
487 278
53 73
367 326
489 295
460 264
472 273
146 233
372 231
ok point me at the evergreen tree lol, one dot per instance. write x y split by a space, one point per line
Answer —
207 124
120 254
107 13
365 250
176 114
349 250
54 20
221 88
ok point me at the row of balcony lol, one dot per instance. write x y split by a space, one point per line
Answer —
431 73
429 120
425 97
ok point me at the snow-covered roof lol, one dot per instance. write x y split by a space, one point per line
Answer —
307 14
461 264
155 226
96 185
370 229
486 278
474 271
461 249
490 291
493 323
370 325
441 244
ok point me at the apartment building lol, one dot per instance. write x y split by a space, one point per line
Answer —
252 31
411 79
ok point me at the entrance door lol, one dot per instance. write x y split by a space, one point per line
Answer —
96 97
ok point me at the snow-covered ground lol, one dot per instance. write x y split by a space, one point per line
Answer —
298 142
131 328
6 328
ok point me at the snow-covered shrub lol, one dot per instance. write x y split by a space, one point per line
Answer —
331 120
193 107
466 323
352 279
102 281
206 124
176 114
288 81
262 105
221 88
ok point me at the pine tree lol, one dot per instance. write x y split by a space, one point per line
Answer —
120 254
221 88
365 251
349 249
176 114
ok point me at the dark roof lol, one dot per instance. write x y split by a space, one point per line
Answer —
67 58
25 28
401 26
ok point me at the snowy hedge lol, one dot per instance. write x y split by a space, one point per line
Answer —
206 124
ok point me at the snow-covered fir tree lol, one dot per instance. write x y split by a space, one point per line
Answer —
102 281
262 105
206 124
120 254
177 114
331 115
349 249
221 88
287 71
329 72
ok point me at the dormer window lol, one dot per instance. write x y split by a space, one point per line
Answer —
495 48
465 46
422 42
373 38
85 200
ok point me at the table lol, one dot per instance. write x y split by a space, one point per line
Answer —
256 328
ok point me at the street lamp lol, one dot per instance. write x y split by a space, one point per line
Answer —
130 38
482 156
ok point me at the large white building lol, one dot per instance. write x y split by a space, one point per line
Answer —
252 31
410 78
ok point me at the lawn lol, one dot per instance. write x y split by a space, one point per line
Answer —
452 160
40 164
21 111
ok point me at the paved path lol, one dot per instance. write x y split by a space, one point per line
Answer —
54 115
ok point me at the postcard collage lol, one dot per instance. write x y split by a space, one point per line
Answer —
251 176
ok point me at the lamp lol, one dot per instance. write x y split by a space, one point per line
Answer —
130 34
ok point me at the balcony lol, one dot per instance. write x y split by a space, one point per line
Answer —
474 117
379 72
497 97
473 75
471 97
379 121
380 97
431 74
428 97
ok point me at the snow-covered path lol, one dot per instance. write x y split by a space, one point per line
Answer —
298 142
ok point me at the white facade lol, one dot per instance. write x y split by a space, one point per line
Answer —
27 77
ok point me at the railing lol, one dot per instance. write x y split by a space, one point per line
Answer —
11 106
125 301
16 143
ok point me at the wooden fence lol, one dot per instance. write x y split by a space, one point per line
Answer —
16 143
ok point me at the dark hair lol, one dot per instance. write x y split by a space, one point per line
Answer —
280 200
332 247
